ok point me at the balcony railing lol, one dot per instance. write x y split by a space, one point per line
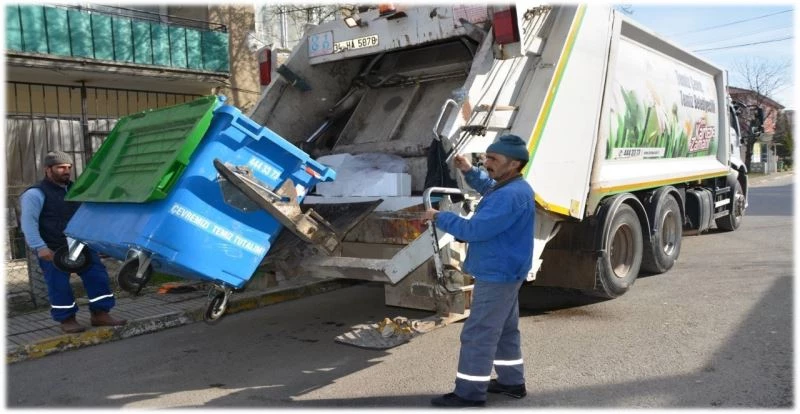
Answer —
117 37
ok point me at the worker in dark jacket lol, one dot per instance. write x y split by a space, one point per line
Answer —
45 214
499 257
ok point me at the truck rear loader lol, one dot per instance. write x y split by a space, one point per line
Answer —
633 140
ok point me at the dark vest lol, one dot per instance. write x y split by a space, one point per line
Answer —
55 214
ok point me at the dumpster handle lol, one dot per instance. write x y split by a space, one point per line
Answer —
249 126
173 173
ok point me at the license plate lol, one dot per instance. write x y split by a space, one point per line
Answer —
357 43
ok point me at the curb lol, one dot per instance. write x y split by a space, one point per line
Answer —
94 336
769 177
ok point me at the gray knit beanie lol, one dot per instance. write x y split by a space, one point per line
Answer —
56 157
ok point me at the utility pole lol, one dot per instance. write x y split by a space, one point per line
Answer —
87 138
284 29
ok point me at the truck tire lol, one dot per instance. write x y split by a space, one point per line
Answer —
661 252
732 221
618 268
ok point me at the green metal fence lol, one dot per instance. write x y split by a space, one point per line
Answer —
91 34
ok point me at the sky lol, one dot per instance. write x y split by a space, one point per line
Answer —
706 26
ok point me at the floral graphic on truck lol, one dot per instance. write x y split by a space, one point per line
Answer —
646 129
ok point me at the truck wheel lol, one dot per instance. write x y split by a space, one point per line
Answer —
732 221
660 254
623 245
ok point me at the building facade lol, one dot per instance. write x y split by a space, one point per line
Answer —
764 158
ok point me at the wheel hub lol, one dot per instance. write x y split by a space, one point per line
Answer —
669 233
622 251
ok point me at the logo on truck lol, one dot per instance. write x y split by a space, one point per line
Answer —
703 135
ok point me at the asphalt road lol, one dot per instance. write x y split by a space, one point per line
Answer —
715 331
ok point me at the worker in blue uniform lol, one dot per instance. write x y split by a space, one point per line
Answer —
500 253
45 214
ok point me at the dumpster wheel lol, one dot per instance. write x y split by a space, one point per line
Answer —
128 278
217 304
62 262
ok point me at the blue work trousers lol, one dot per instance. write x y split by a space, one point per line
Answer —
59 291
490 338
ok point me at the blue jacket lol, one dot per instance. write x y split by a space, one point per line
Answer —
500 233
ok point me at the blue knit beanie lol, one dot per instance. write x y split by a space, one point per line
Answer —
511 146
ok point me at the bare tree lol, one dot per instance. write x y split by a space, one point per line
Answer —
763 78
284 24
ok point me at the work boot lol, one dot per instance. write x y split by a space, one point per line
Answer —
70 325
453 400
101 318
516 391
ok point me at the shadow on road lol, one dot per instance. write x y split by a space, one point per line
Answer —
540 300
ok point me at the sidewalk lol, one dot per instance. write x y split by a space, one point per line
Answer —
756 178
34 335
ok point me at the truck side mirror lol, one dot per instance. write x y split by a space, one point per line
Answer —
760 116
757 123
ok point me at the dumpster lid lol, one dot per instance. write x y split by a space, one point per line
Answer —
145 154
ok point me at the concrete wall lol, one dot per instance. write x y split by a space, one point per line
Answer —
244 88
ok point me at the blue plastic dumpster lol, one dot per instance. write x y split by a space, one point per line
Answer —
186 226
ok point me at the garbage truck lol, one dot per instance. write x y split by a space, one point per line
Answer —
633 140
